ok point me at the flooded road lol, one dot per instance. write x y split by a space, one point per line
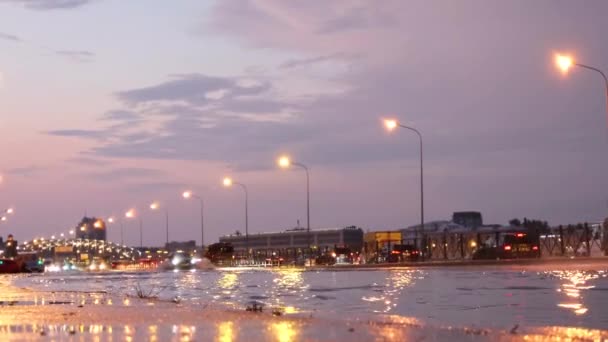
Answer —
496 298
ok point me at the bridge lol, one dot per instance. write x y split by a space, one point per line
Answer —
93 248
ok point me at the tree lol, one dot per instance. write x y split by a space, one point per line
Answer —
515 222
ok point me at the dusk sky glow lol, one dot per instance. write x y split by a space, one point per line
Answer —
107 105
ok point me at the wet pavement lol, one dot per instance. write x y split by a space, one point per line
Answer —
398 304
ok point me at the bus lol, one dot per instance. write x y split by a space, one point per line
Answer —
511 245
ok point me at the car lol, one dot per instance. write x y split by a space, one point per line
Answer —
403 253
325 259
31 262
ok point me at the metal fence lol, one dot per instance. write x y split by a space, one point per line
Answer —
562 241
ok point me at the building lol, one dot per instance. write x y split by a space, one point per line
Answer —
469 219
10 247
295 241
412 233
378 244
186 246
91 228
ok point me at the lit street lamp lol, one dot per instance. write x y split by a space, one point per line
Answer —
7 212
564 63
155 206
391 125
189 194
228 183
132 214
284 163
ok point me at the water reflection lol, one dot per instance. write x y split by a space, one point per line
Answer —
288 282
228 282
225 332
396 282
575 282
285 331
566 334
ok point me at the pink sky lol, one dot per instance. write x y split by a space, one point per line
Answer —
109 104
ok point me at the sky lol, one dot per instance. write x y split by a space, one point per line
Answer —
107 105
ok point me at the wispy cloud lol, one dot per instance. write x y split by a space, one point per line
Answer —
76 55
120 115
78 133
194 89
294 63
50 4
10 37
126 173
26 171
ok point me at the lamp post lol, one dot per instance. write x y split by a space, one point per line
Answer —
285 162
391 125
228 182
187 195
131 214
5 214
564 63
155 206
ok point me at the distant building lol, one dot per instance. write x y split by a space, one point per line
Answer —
433 227
298 239
469 219
186 246
10 247
91 228
379 242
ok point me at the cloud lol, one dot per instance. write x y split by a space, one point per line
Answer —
10 37
295 63
27 171
86 160
144 187
358 18
120 115
78 133
480 89
194 89
125 174
76 55
50 4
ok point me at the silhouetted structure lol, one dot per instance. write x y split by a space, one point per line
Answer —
10 247
186 246
91 228
296 241
469 219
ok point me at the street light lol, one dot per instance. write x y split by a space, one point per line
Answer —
132 213
391 125
188 195
7 212
285 162
228 182
155 206
564 63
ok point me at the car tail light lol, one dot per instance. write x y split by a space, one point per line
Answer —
520 235
534 248
507 248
